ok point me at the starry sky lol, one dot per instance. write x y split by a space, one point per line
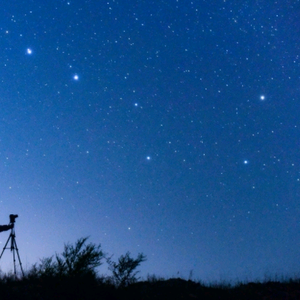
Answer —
168 127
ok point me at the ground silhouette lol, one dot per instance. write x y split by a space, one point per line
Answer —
73 275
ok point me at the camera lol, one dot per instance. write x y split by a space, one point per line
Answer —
12 218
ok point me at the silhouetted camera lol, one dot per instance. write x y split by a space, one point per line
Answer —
12 218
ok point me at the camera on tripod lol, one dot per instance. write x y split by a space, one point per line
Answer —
13 244
12 218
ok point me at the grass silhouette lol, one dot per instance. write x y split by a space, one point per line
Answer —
72 275
161 289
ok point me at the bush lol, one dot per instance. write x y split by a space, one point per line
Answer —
123 270
79 260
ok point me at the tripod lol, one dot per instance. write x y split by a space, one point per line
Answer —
13 248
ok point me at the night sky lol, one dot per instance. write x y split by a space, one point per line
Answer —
170 128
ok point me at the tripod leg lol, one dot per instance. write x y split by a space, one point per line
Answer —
14 257
13 248
5 246
20 263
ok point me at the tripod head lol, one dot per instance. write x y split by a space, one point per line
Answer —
12 218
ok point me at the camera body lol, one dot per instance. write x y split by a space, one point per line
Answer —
12 218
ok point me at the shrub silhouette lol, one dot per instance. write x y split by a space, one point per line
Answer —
123 270
46 268
79 260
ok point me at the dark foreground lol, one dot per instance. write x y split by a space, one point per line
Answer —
153 289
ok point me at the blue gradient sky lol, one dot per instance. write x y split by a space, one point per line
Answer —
164 127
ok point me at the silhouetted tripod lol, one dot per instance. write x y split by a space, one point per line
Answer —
13 247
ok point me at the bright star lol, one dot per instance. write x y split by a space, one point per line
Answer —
29 51
76 77
246 162
262 97
148 157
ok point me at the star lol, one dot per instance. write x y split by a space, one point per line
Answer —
262 97
76 77
246 162
148 157
29 51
